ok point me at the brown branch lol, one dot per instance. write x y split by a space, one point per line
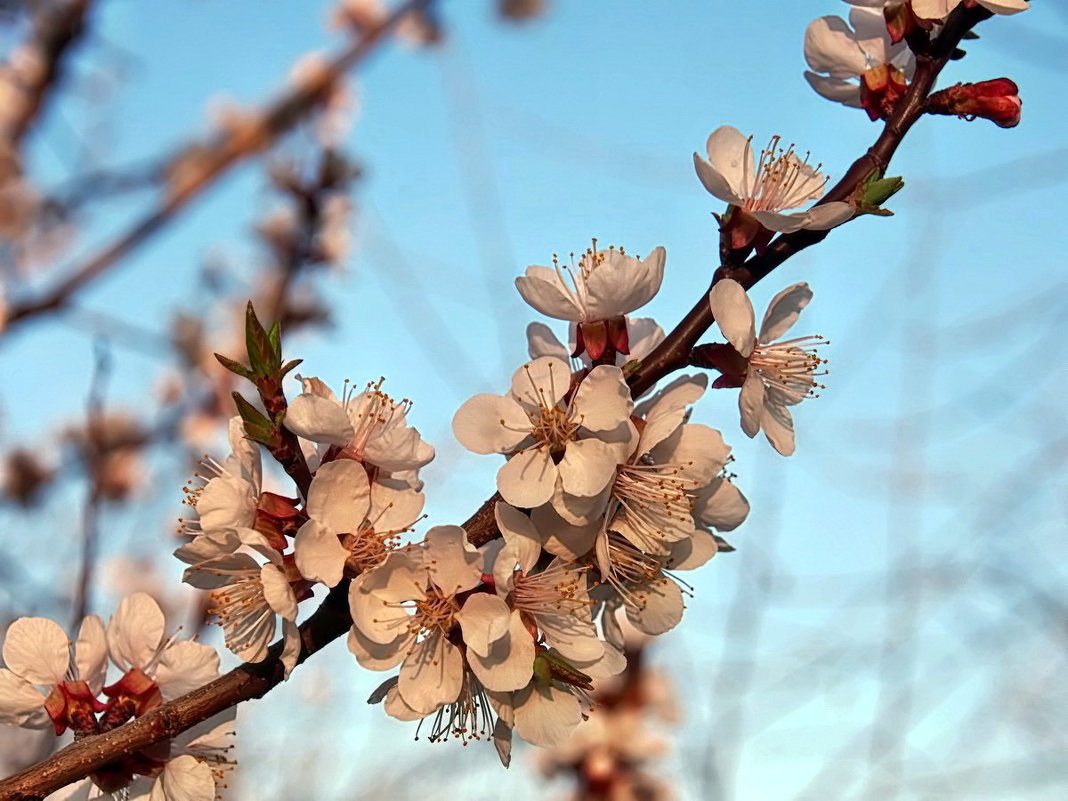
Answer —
674 352
204 164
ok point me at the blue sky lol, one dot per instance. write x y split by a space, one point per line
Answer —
508 144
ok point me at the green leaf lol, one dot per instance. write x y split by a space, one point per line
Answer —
260 349
234 367
257 427
289 366
875 191
274 336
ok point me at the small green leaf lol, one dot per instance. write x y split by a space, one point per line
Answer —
274 336
260 349
288 366
257 427
875 191
234 367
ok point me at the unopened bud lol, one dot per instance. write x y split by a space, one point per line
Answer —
996 100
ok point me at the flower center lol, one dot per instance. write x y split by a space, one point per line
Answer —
241 608
790 366
558 589
367 548
553 427
654 495
782 180
371 412
432 615
469 717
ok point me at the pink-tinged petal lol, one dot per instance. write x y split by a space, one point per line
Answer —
661 609
541 341
340 495
37 649
184 667
731 155
545 290
546 716
682 391
432 674
135 631
208 546
698 449
722 506
219 572
831 48
396 708
611 663
734 315
246 452
828 215
91 653
376 656
871 34
845 92
783 311
778 425
572 633
520 532
400 448
319 554
541 383
621 283
751 403
227 502
509 663
277 592
401 577
613 628
454 563
21 704
588 466
319 419
490 424
184 779
502 741
692 552
290 647
528 478
568 542
311 385
933 9
602 402
484 619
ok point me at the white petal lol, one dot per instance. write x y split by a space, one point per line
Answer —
277 592
184 667
581 511
378 621
502 741
845 92
484 619
783 223
698 449
829 215
542 382
547 715
340 495
135 631
290 647
545 290
319 554
91 653
520 532
778 425
734 315
21 704
602 402
572 633
227 502
509 663
662 607
831 48
621 284
208 546
1005 6
588 466
37 649
79 791
393 508
723 507
399 448
376 656
454 564
528 478
319 419
644 335
396 708
692 552
568 542
431 674
184 779
490 424
783 311
751 403
732 157
541 341
220 571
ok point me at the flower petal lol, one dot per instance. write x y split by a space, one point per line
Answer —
588 466
541 383
783 311
661 609
845 92
340 495
721 505
831 48
184 667
509 663
547 715
91 653
541 341
751 403
432 674
454 564
37 649
184 779
135 631
319 554
484 619
490 424
734 315
545 290
528 478
519 532
319 419
602 401
21 704
778 425
373 655
277 591
730 155
828 215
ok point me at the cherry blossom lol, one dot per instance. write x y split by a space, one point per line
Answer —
369 427
764 188
48 679
548 438
939 9
643 334
772 375
856 63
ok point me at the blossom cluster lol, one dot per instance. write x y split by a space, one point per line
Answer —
50 681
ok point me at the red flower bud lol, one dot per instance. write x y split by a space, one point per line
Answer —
997 100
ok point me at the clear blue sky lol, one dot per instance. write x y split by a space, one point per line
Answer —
933 454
